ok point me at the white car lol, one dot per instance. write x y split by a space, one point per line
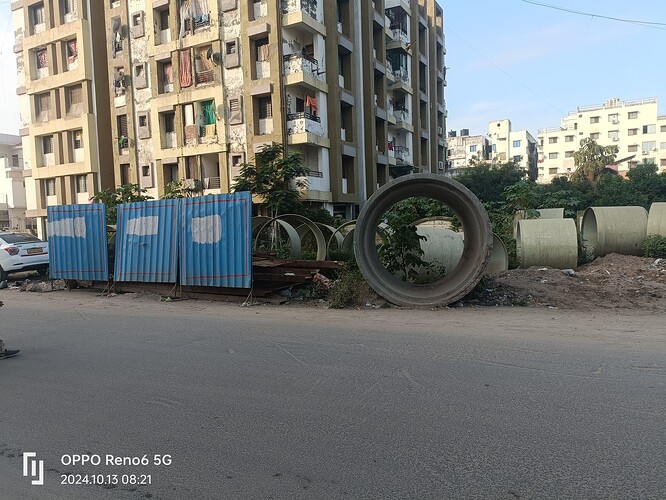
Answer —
22 252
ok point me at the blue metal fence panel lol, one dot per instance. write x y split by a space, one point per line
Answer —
216 241
147 241
77 242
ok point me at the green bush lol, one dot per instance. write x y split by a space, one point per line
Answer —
347 290
655 246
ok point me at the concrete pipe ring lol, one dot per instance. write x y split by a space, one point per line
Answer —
477 249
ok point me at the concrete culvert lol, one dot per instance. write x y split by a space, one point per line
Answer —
657 219
614 230
477 244
547 242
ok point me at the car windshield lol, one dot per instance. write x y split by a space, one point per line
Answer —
19 238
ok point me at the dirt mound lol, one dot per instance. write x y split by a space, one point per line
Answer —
611 282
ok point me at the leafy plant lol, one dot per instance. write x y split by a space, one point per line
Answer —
655 246
128 193
592 160
178 189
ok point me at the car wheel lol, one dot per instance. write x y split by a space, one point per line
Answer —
3 274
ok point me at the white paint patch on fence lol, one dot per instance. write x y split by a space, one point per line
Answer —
143 226
206 230
74 227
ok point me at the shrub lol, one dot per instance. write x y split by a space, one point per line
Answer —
655 246
347 290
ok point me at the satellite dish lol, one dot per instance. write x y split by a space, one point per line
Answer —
217 58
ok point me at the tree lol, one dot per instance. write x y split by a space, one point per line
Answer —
127 193
592 160
177 189
276 176
488 182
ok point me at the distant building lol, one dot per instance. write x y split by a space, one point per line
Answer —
517 146
12 186
635 127
464 148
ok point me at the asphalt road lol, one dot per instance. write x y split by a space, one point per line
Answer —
290 402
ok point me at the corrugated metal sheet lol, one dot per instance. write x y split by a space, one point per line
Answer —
147 241
77 242
216 239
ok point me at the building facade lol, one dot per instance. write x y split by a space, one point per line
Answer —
517 146
464 149
635 127
12 186
59 45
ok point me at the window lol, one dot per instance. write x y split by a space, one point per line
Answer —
633 148
74 99
472 149
235 110
552 140
124 174
614 118
265 108
137 24
614 135
81 184
632 131
662 162
595 136
552 156
517 158
516 144
119 81
649 129
661 146
569 138
15 161
169 122
494 148
552 171
165 74
231 53
594 119
123 140
68 7
649 146
77 139
42 56
37 18
145 171
50 187
72 52
663 128
633 115
42 106
47 144
569 154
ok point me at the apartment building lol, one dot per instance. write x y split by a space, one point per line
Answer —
199 86
634 126
518 146
463 149
12 187
64 109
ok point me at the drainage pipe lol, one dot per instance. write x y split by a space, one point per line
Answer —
477 246
548 242
657 219
614 230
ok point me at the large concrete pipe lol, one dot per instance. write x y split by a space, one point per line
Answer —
477 246
311 226
657 219
443 246
544 213
547 242
614 230
294 240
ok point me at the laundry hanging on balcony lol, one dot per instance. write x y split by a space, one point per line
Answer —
42 59
72 52
185 68
193 14
311 104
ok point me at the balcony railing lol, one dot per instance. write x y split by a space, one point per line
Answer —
307 6
301 63
212 183
207 76
401 75
304 122
401 35
315 173
301 115
401 153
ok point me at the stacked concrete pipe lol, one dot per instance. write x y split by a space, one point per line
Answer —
657 219
614 230
477 245
547 242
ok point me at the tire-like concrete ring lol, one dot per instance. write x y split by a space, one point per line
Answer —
476 254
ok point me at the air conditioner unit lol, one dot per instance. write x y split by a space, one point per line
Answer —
645 152
615 139
615 121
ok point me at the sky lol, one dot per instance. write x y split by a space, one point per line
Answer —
509 59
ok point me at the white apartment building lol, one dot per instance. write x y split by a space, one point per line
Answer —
507 145
464 148
12 187
635 127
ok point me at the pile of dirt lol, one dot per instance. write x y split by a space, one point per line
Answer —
610 282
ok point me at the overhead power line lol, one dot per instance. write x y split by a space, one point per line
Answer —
647 24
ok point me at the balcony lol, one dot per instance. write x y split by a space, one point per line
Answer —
305 128
402 155
204 77
208 134
303 14
260 9
300 68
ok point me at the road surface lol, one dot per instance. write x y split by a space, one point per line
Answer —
286 402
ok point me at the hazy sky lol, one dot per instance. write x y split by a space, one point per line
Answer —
509 59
